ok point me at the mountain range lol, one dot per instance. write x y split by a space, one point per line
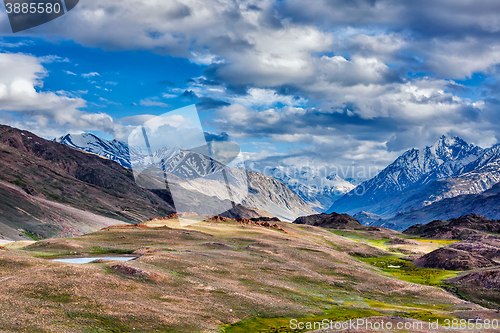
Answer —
114 150
317 191
48 189
445 180
421 178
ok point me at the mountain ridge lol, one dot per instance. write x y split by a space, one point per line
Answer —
318 192
421 177
266 193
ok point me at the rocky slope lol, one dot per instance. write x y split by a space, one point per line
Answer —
318 190
479 249
453 260
481 287
462 228
486 204
419 178
114 150
37 175
333 220
205 194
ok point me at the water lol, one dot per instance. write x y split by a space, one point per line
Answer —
86 260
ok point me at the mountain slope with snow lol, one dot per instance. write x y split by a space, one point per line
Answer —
418 178
319 191
265 193
114 150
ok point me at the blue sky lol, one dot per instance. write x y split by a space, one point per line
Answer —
330 83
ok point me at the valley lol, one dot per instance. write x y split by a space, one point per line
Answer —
224 275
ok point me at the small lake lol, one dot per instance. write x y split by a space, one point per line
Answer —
86 260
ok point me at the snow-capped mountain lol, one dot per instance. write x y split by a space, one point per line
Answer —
264 192
114 150
182 163
319 191
420 177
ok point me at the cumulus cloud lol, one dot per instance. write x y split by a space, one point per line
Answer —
21 93
352 81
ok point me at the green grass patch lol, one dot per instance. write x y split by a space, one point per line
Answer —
31 235
364 237
405 270
282 325
109 323
104 250
51 295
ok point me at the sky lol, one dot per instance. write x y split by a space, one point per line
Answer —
344 83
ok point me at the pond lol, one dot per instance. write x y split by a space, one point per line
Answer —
86 260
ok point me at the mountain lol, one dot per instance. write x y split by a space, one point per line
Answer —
49 189
318 191
466 227
419 178
197 178
486 204
367 218
114 150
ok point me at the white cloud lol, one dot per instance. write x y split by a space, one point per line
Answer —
91 74
351 59
107 101
21 82
52 58
152 102
165 95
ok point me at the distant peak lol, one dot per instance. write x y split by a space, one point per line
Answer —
89 134
450 142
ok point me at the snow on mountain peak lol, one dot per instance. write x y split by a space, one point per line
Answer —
413 170
114 150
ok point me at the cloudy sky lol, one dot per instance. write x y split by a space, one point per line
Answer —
322 82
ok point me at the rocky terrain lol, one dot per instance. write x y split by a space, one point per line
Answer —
317 191
48 190
467 227
333 220
481 287
114 150
454 260
195 178
479 248
486 204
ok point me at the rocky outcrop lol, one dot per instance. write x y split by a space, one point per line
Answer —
333 220
467 227
489 279
453 259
